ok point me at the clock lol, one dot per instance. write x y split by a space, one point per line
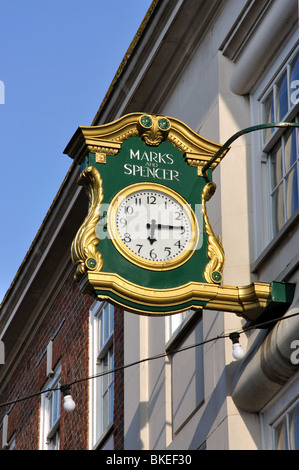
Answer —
152 226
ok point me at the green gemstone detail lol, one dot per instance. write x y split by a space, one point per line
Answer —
91 263
216 276
146 121
164 124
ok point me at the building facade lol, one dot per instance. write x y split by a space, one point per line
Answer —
170 382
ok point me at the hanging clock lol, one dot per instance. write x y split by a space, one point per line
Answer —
152 226
147 244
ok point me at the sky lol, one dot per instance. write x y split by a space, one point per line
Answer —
57 60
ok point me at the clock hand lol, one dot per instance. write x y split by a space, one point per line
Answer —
170 227
152 226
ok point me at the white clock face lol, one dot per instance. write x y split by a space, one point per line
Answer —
154 227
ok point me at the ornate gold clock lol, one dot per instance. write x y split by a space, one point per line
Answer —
147 244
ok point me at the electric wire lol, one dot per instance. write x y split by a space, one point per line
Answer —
148 359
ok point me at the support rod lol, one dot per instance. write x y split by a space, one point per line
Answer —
242 132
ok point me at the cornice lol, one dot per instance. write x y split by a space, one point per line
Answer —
261 47
109 137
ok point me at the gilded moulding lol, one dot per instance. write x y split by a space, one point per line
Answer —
101 152
152 129
247 301
213 270
84 253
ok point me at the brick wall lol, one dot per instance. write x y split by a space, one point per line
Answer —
68 321
118 428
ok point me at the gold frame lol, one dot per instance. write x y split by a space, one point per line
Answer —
130 255
247 301
213 270
107 138
84 252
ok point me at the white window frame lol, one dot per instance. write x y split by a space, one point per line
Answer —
277 138
274 412
263 232
49 431
174 323
102 387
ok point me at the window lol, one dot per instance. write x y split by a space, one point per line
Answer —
280 419
286 430
7 444
281 104
187 381
50 413
173 322
102 354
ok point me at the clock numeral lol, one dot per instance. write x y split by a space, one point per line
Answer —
139 249
129 210
168 250
153 255
137 201
151 199
127 238
178 215
178 244
123 221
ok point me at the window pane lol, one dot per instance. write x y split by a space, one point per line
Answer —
105 411
292 192
175 321
105 377
54 442
276 167
282 98
268 115
111 320
105 325
295 82
277 209
107 390
54 402
290 153
294 428
281 436
295 70
111 394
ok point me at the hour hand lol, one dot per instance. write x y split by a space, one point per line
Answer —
152 226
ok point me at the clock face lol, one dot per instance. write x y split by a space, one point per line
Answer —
152 226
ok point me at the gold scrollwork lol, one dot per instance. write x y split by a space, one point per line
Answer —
101 152
213 270
84 251
153 129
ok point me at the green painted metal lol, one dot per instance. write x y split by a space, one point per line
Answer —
247 130
165 164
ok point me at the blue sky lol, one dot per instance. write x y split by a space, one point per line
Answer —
57 60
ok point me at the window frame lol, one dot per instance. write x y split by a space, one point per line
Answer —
274 412
50 431
101 347
263 237
277 138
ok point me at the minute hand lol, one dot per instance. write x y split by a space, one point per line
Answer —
170 227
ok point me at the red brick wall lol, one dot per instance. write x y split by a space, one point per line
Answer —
118 428
70 312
